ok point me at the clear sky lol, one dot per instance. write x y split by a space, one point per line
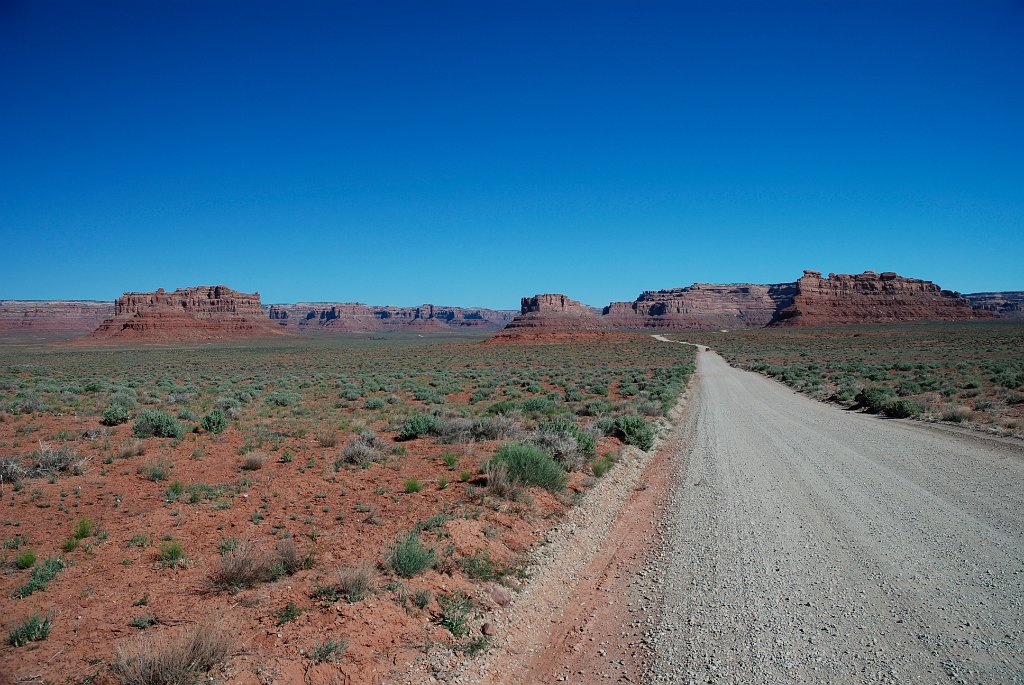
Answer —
475 152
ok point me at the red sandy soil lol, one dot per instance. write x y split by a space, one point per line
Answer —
94 600
588 625
599 635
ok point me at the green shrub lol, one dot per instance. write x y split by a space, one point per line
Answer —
530 465
84 528
25 559
155 470
115 415
409 557
503 407
635 430
156 423
142 622
901 409
595 408
288 612
421 598
33 629
328 651
176 489
214 422
171 553
374 403
541 405
845 395
413 485
40 576
283 399
874 400
480 566
455 613
605 425
908 388
602 465
585 442
417 425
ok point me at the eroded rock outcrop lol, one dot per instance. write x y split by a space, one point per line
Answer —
871 298
556 312
353 316
187 314
811 301
702 306
51 319
1005 305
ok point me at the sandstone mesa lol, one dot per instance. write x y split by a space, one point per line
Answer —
212 313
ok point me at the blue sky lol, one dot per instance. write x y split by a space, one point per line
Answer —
475 152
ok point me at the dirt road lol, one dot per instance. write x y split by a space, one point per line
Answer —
810 544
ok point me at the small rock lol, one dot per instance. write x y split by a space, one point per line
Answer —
487 629
501 595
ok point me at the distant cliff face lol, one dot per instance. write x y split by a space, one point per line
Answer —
187 314
556 312
52 318
871 298
702 306
811 301
352 316
1006 305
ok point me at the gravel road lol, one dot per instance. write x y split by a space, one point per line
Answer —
810 544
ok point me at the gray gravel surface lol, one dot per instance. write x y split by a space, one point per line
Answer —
810 544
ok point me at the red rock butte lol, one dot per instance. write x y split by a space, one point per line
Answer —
810 301
220 313
186 315
871 298
556 312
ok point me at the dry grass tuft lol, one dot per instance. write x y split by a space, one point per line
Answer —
499 483
254 461
178 658
132 448
289 559
354 581
242 567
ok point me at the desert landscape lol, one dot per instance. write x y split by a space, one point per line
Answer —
511 343
343 499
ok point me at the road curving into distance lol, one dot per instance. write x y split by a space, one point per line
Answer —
805 543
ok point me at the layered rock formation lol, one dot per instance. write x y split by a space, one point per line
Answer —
353 316
870 298
187 314
702 306
556 312
1007 305
811 301
51 319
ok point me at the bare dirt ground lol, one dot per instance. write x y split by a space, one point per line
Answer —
783 540
809 544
